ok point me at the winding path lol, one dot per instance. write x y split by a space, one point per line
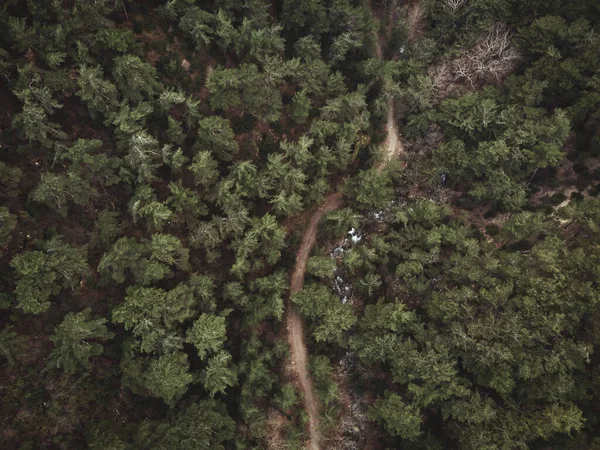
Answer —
295 327
294 324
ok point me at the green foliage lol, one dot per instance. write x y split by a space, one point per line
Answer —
203 425
219 374
265 299
498 145
491 316
215 134
207 334
323 375
57 189
135 79
300 107
106 228
143 155
38 104
246 85
146 127
145 205
369 283
8 222
168 377
99 95
89 163
301 16
260 246
75 341
205 169
321 266
9 344
145 312
104 439
175 131
154 316
9 179
185 203
120 40
43 273
400 419
148 261
371 189
35 126
196 24
332 317
124 255
288 398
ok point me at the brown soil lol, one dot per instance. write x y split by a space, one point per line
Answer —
393 145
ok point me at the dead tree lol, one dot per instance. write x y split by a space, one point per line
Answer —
454 5
491 59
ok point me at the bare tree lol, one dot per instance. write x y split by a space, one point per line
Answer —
442 79
274 436
494 57
491 59
454 5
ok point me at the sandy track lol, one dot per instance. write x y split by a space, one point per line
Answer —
295 328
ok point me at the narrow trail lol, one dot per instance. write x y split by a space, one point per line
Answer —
294 324
295 327
393 145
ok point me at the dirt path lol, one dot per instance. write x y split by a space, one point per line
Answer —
209 71
295 327
393 145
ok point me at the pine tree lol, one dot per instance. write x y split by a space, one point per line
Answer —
75 340
100 95
219 374
43 273
207 334
197 25
135 79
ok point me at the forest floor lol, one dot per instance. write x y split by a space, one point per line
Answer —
295 328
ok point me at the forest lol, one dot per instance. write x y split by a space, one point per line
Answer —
300 225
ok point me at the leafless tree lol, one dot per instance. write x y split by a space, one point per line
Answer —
454 5
442 79
491 59
276 423
494 56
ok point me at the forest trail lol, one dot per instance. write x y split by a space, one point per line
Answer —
294 324
393 145
295 328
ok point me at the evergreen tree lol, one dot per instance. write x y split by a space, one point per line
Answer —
43 273
75 341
